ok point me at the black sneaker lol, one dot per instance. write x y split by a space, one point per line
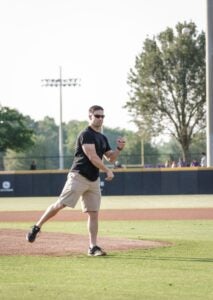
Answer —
31 236
96 251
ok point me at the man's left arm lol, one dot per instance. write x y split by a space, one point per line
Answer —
112 155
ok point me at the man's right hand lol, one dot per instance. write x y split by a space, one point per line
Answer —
109 176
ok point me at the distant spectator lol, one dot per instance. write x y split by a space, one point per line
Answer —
173 165
167 164
181 163
194 163
203 160
33 165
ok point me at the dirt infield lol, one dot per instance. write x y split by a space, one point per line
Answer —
13 242
116 214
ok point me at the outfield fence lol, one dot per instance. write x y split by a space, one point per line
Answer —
135 181
45 162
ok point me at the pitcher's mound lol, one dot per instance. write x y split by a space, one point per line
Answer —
13 242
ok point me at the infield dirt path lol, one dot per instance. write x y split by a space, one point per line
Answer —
117 214
13 242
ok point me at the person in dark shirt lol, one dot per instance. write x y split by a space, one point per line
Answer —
33 165
83 178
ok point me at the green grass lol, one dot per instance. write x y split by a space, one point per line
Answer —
181 271
179 230
132 275
113 202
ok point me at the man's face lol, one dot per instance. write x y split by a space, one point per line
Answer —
96 118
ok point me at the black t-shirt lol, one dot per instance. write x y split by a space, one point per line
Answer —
81 163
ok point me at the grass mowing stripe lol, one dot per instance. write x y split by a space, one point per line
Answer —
113 202
178 229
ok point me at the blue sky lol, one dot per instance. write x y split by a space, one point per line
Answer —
96 41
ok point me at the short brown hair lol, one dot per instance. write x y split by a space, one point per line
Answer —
93 108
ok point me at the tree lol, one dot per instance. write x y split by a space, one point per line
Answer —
46 134
45 151
14 132
167 92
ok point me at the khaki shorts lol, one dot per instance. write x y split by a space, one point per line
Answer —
78 186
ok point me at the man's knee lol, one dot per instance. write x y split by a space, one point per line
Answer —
58 205
92 214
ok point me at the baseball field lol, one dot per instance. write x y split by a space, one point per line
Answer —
159 247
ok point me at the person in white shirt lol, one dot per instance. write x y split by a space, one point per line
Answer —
203 160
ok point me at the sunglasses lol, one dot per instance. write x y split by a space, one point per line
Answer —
99 116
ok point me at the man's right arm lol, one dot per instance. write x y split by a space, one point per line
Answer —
90 152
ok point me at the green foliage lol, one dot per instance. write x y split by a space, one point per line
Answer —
198 144
171 150
167 85
131 155
15 134
45 151
46 143
45 146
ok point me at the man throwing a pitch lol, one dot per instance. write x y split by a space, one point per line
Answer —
83 178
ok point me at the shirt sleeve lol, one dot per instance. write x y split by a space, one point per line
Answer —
87 138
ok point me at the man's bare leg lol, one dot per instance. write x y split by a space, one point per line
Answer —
50 212
92 225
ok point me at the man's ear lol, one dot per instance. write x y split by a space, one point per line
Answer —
90 116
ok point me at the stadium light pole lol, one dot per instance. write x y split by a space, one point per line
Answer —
142 151
70 82
209 81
